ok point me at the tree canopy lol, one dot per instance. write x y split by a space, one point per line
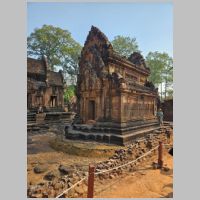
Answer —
57 45
161 66
125 46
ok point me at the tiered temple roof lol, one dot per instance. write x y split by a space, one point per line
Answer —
40 76
54 78
35 66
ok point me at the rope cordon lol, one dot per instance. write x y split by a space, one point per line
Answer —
65 191
104 171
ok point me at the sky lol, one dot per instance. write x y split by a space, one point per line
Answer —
150 23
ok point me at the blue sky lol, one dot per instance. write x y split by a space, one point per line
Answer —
150 23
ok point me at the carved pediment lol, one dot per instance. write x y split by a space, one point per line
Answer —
137 59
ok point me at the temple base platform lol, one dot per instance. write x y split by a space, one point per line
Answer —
113 133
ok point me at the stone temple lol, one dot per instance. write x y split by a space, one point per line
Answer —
44 87
116 103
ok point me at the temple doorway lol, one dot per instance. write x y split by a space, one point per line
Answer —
91 110
39 100
53 101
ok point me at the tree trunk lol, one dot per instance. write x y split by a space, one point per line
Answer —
165 89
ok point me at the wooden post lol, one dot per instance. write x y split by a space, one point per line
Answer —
160 155
90 192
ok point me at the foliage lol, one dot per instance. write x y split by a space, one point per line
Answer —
125 46
57 45
161 66
69 93
169 93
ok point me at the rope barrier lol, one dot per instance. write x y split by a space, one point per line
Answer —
65 191
104 171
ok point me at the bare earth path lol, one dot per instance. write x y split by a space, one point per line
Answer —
146 182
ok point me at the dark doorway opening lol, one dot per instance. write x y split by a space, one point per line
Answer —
29 100
39 100
53 101
91 110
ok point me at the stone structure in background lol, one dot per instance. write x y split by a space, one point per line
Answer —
44 87
167 108
45 90
113 94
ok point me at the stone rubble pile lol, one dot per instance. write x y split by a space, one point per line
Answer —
57 181
132 152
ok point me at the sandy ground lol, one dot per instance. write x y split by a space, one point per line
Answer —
40 153
145 182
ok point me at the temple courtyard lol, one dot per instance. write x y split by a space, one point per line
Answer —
47 153
114 127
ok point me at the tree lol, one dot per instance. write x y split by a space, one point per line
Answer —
125 46
168 77
169 93
57 45
161 66
69 96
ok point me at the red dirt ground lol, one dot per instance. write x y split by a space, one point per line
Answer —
145 182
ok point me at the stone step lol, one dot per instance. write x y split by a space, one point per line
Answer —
125 125
31 122
50 109
111 137
30 114
37 127
90 128
54 110
128 138
31 118
128 129
33 110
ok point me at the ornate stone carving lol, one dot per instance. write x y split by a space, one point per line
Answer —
137 59
103 79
